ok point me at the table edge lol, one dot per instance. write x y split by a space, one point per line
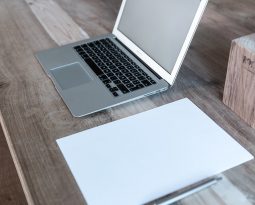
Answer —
17 165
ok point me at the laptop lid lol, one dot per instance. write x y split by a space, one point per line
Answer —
159 32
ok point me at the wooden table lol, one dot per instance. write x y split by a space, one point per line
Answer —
33 115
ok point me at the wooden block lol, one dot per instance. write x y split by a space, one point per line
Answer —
239 92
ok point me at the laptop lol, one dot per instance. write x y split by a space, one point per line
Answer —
141 57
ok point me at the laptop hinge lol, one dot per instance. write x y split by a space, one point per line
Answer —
149 68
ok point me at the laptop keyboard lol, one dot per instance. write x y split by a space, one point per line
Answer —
119 73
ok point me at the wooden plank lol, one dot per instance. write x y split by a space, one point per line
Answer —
35 115
16 162
25 132
11 192
95 17
59 25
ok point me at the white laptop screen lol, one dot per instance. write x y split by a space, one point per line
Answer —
159 27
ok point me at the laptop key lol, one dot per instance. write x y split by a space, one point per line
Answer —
122 77
123 88
137 74
94 66
126 81
115 94
133 70
118 74
81 52
113 78
124 71
78 48
141 78
134 88
128 74
146 83
104 67
140 86
117 82
107 71
136 82
115 89
98 61
130 85
108 85
103 77
107 63
101 65
137 87
86 49
132 78
91 44
115 70
115 61
112 67
110 75
84 56
107 81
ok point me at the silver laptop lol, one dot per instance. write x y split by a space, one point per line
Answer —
141 57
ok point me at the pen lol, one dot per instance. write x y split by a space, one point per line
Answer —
186 192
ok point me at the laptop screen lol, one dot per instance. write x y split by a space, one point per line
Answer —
159 27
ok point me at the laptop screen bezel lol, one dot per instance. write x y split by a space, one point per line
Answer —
169 77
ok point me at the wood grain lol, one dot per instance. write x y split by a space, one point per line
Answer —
96 17
17 165
239 89
35 116
11 192
61 28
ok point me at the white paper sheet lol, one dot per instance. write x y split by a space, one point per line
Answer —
141 158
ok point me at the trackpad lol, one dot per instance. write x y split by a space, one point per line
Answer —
70 76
